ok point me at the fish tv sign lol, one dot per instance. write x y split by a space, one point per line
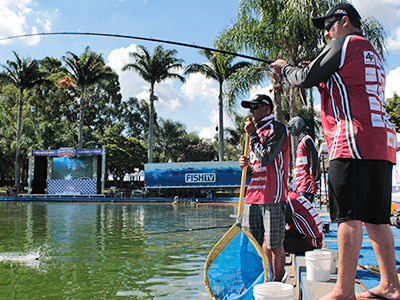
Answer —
200 177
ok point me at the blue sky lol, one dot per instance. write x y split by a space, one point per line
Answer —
188 21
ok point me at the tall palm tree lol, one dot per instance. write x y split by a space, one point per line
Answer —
219 68
85 71
154 69
24 74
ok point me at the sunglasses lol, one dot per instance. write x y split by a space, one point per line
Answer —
256 106
329 25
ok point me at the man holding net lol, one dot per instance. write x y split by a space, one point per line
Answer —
266 196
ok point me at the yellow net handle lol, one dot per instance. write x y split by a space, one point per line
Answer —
244 176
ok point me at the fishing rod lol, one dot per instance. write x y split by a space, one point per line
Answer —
137 38
374 269
179 230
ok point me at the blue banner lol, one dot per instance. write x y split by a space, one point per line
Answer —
193 174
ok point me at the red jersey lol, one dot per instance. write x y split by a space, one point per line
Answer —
307 166
269 163
305 219
351 82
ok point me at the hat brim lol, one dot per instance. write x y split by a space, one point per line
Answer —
319 22
247 103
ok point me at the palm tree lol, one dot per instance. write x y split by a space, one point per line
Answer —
154 69
171 139
85 71
24 74
219 68
273 29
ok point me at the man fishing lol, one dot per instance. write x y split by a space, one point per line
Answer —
361 142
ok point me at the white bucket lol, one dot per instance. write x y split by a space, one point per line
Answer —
318 265
334 258
273 291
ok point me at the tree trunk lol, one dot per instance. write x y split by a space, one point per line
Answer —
151 124
294 112
81 120
277 96
18 150
311 105
221 123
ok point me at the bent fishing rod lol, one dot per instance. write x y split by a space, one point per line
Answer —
138 38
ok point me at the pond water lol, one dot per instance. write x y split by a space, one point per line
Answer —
56 250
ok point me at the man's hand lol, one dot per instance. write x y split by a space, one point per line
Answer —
244 161
278 65
249 126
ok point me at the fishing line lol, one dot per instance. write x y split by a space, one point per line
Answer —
138 38
177 231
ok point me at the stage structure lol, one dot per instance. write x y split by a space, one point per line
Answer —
67 171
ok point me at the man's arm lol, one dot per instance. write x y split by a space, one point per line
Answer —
268 151
319 70
313 155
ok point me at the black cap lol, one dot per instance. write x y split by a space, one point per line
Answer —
339 10
258 99
297 126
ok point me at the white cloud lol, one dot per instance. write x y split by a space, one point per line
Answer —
392 83
387 12
170 99
261 90
17 18
393 42
197 85
45 20
207 132
120 57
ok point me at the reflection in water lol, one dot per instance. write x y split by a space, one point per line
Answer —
106 250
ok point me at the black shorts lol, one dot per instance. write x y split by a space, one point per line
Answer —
360 190
295 243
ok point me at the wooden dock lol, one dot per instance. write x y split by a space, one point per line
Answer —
366 279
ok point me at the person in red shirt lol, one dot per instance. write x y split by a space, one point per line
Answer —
361 142
307 172
266 195
303 226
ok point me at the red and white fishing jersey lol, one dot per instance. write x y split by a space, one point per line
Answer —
351 81
307 166
305 220
269 162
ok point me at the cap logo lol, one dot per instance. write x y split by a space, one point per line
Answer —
341 11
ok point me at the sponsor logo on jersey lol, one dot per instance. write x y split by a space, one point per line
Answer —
369 58
302 160
374 104
377 121
391 140
370 75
